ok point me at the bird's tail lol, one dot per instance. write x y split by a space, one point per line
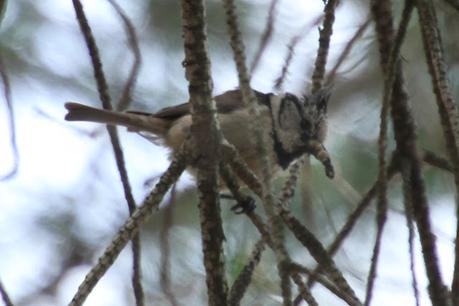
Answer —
137 122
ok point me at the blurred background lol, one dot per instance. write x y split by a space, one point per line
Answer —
65 203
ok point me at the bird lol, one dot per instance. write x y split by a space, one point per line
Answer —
294 125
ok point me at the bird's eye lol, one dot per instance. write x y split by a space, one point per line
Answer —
305 136
305 126
305 130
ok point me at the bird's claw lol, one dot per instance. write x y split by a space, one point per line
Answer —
245 206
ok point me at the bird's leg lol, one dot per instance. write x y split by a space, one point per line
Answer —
244 203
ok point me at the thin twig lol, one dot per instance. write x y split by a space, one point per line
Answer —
307 239
405 136
102 86
126 98
232 184
244 278
5 297
104 96
354 216
381 219
319 253
164 237
447 108
136 271
434 160
132 225
347 50
265 37
305 293
288 190
317 81
408 203
240 285
240 168
324 45
11 121
278 83
382 143
294 268
321 280
275 224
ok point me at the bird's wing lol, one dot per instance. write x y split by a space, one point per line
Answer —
226 103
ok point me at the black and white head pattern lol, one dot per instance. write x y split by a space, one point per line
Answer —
296 122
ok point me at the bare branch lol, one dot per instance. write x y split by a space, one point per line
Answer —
136 271
266 36
354 216
126 98
288 190
408 203
241 169
434 160
319 253
11 121
405 136
132 225
446 107
207 140
347 50
381 219
278 83
305 293
294 269
317 79
164 238
324 44
321 280
5 297
382 144
275 224
245 276
286 194
104 96
99 76
122 104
